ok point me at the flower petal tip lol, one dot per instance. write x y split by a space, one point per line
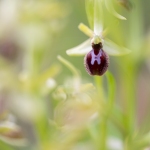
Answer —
68 52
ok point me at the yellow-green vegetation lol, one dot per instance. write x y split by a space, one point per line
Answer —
48 101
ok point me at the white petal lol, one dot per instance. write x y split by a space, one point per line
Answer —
113 49
98 17
81 49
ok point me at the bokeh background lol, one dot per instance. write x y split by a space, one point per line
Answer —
44 105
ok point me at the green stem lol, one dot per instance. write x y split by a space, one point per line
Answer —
111 92
130 101
103 134
99 86
103 123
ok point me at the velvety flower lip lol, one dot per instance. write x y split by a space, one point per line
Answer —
96 64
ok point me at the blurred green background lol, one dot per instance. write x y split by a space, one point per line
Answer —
51 103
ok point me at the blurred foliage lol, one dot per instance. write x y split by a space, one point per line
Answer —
48 102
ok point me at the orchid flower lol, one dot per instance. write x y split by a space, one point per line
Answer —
94 10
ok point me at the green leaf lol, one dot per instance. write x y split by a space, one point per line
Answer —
113 49
110 8
81 49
